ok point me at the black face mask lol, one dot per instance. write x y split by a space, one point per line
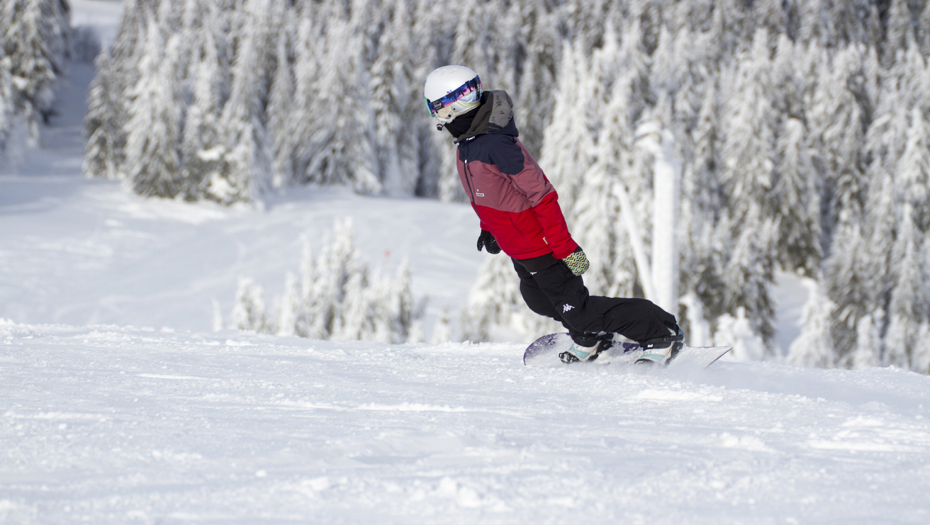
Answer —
461 125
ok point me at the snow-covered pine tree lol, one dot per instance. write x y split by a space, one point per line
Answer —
122 75
798 196
849 286
536 90
913 171
340 149
334 297
392 88
868 347
417 334
492 300
748 147
669 64
831 24
335 267
289 312
375 308
249 308
775 16
749 270
244 171
308 41
693 52
281 109
408 72
701 208
307 303
7 105
814 347
34 37
153 163
881 226
855 22
195 14
596 218
838 121
567 141
596 213
731 23
200 143
886 140
695 15
747 169
353 320
102 125
474 47
900 32
920 354
130 35
923 30
508 50
738 332
474 44
909 307
401 312
442 329
584 21
811 28
837 129
368 19
495 300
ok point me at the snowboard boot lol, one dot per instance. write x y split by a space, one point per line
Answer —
581 351
661 350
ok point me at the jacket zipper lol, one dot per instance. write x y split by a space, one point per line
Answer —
471 191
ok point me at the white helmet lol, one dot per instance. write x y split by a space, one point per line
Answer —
451 91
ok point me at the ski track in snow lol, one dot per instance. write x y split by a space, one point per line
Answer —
120 425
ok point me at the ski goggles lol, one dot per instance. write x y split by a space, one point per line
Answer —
467 92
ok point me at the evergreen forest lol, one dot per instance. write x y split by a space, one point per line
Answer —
801 129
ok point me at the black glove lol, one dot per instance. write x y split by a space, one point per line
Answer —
488 242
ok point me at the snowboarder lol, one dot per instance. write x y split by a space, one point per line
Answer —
520 215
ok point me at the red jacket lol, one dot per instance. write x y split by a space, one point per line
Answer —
508 190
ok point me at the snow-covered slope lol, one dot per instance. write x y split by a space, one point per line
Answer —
85 252
114 425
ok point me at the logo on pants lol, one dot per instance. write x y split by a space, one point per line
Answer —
566 307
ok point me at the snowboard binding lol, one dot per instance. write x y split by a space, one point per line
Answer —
572 355
662 350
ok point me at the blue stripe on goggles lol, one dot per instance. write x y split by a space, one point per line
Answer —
463 91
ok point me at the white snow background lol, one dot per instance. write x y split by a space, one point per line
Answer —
118 404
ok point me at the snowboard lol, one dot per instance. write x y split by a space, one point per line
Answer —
545 352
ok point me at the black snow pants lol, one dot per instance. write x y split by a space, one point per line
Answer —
551 289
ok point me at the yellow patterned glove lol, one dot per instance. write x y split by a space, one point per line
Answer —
577 262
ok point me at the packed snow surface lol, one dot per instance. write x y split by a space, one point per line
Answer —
107 424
